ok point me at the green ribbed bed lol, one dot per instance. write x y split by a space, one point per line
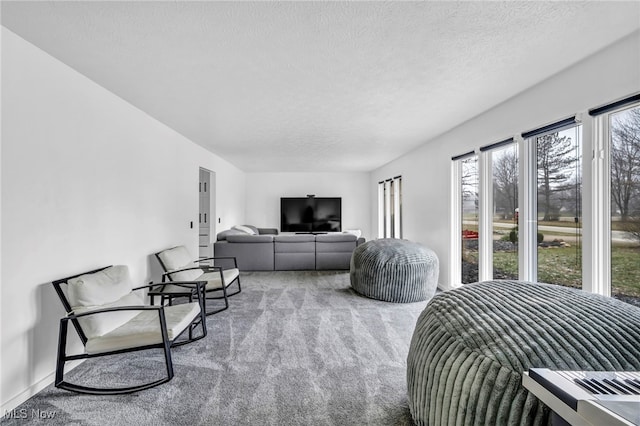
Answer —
471 345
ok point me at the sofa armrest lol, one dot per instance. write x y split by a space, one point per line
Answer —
359 241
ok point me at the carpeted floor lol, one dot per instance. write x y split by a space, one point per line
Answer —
293 348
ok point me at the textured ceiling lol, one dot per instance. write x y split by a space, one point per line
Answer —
318 86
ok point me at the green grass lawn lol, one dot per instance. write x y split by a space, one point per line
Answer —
560 266
625 270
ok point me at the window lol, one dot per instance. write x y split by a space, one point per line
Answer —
548 189
624 237
559 206
469 215
504 210
390 208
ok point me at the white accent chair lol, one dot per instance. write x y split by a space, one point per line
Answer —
111 317
178 265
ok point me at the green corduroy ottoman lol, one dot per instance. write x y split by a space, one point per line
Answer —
394 270
471 345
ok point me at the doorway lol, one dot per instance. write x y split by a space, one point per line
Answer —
206 215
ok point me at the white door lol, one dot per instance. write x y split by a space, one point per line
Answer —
205 189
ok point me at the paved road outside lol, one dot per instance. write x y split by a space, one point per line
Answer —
616 236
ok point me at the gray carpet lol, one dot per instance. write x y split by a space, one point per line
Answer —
293 348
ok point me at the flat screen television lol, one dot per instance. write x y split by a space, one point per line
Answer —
310 214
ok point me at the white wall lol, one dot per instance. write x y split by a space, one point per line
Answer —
87 180
265 189
1 300
608 75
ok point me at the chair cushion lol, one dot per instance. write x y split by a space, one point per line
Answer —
175 258
100 324
188 275
179 258
110 287
99 288
144 329
213 278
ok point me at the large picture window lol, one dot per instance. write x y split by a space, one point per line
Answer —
519 205
559 206
624 166
469 215
504 210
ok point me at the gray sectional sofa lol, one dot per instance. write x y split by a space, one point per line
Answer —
266 250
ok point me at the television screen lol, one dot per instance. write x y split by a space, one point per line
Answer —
311 214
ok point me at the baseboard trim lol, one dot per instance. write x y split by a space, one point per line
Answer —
32 390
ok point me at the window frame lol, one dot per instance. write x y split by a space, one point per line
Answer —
458 217
390 208
596 142
600 270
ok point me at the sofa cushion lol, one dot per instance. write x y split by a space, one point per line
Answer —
250 257
300 238
294 252
335 260
268 231
333 251
250 238
336 238
292 261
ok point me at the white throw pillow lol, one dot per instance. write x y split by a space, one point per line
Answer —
244 229
108 288
179 258
99 288
176 258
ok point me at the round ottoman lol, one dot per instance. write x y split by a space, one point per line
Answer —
472 344
394 270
